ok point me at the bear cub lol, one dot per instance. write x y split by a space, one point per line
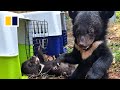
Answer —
90 51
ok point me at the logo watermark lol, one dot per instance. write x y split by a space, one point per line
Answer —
11 21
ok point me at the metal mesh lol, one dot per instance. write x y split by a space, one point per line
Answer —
36 35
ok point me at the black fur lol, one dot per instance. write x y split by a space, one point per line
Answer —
72 15
31 66
88 27
52 68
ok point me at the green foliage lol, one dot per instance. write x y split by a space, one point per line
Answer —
118 16
69 50
116 51
116 55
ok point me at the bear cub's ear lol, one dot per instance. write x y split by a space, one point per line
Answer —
72 14
106 14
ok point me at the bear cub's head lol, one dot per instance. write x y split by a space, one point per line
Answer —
89 26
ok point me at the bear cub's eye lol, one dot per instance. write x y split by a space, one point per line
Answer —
91 31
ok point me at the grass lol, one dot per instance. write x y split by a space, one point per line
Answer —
69 50
116 51
118 16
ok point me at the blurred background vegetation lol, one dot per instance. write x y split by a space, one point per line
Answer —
118 16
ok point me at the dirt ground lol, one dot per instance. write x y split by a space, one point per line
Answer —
114 39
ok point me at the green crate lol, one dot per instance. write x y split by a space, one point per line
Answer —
10 67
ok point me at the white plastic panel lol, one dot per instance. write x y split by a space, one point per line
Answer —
21 32
8 41
52 17
8 38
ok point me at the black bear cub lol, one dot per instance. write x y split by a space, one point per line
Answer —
31 66
90 47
